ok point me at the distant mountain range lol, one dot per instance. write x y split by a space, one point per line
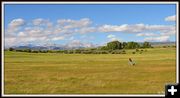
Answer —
67 47
162 43
52 47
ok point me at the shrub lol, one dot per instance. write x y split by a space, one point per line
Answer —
174 46
27 50
60 51
77 51
70 52
137 50
133 52
49 51
35 51
164 46
5 49
116 52
123 52
104 52
11 49
110 51
44 51
19 51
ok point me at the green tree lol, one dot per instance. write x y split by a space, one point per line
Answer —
114 45
124 45
132 45
28 50
146 45
104 48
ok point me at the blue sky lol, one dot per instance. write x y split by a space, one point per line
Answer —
88 24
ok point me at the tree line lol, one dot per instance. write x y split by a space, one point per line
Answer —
114 47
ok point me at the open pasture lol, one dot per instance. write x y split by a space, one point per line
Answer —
54 73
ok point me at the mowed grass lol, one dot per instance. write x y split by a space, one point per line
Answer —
53 73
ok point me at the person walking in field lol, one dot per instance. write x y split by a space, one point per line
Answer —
131 62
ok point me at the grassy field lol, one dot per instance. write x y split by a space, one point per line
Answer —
53 73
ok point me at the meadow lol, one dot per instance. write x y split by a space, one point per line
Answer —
55 73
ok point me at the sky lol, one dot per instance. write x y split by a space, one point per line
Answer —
87 24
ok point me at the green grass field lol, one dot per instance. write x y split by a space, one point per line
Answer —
53 73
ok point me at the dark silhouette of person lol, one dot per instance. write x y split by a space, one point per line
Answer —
131 61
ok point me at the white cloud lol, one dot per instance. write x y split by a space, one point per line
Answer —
157 39
171 18
21 34
40 21
112 37
35 32
168 33
146 34
135 28
74 43
10 42
86 30
78 43
10 35
58 38
43 30
27 34
112 28
68 23
165 31
15 25
163 35
16 22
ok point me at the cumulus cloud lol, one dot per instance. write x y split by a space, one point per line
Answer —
85 30
113 28
78 43
43 30
168 33
112 37
171 18
21 34
40 21
58 38
15 25
10 41
135 28
146 34
68 23
164 31
16 22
